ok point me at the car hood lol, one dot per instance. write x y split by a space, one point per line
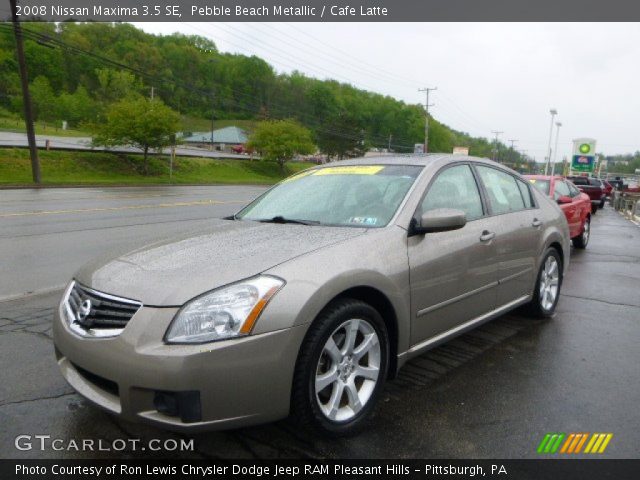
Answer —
171 272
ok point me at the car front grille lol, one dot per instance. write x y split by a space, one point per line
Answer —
95 314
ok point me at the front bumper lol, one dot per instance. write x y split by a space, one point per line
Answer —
237 382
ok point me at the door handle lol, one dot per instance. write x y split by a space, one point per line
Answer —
487 235
536 223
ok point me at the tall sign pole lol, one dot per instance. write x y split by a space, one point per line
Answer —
26 98
553 113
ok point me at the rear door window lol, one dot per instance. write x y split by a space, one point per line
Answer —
502 189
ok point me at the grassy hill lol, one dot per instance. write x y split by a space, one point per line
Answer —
101 168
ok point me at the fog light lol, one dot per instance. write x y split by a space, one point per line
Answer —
185 405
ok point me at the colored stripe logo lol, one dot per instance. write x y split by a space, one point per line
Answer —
574 443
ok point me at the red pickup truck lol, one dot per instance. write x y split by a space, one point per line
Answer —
592 187
575 204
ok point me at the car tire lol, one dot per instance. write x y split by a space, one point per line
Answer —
329 395
582 240
601 203
594 209
541 305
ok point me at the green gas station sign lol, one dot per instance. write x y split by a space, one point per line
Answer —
583 158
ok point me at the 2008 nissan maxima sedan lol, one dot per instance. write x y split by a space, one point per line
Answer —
311 296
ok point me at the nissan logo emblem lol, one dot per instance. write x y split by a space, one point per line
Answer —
84 310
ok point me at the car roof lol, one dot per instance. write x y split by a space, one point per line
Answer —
435 160
544 177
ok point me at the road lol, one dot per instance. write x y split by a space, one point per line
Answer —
15 139
492 393
47 234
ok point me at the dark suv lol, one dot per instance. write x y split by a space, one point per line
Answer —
592 187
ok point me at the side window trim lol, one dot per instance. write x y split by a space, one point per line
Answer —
485 211
527 186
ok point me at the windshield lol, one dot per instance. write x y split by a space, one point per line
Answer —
542 185
359 195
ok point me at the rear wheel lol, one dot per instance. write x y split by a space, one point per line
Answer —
594 209
581 240
341 368
547 289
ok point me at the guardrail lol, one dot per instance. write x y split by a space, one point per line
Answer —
626 203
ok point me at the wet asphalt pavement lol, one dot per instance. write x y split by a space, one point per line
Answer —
492 393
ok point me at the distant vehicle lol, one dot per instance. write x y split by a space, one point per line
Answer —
311 296
575 205
592 187
238 149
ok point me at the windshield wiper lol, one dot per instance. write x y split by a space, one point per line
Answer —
281 219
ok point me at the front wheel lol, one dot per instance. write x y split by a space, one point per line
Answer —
547 289
581 240
341 368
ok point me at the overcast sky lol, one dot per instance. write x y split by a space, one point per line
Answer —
490 76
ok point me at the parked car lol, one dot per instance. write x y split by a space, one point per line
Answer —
575 204
311 296
592 187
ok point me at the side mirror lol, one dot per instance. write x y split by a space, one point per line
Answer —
440 220
564 199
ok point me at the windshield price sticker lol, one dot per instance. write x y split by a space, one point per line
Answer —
352 170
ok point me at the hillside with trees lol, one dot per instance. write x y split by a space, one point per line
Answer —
77 70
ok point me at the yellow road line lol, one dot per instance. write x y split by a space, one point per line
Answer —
127 207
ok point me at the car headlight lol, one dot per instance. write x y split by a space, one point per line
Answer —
228 312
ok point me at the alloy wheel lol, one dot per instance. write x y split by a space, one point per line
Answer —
586 231
348 370
549 281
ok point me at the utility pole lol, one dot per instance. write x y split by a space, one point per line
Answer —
389 148
152 92
26 98
495 144
427 90
213 116
512 153
213 61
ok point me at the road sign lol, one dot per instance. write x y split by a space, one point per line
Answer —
461 150
583 163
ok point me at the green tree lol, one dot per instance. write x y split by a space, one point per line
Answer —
281 140
76 107
44 100
140 122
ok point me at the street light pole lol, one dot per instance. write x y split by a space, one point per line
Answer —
553 113
555 152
